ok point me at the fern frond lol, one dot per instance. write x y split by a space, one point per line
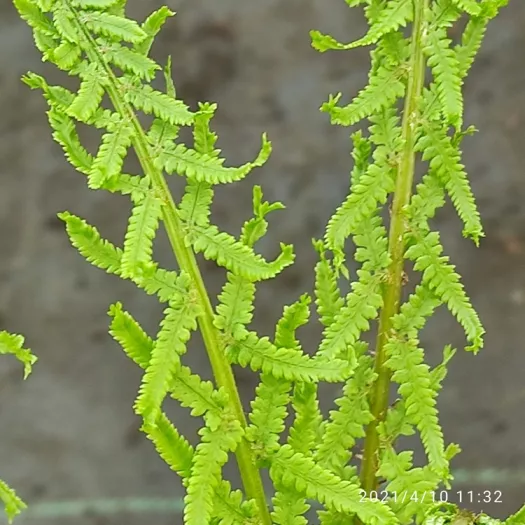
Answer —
135 342
288 508
445 67
203 167
384 88
300 473
328 295
199 396
444 157
171 446
237 257
518 518
406 360
366 194
230 508
286 363
87 240
14 344
13 505
361 306
138 243
210 455
89 95
347 423
195 205
151 27
66 135
110 157
427 199
235 309
307 428
404 481
395 14
179 321
131 62
255 228
442 279
65 56
97 4
294 316
114 27
474 33
472 7
269 411
35 18
152 102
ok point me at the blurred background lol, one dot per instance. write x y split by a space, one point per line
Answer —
69 432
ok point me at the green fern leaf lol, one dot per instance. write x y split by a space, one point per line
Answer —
371 190
446 70
406 360
153 102
115 27
151 27
110 157
384 88
97 4
286 363
138 243
394 15
137 345
65 56
86 239
269 411
346 424
294 316
131 62
14 344
237 257
469 6
89 95
256 228
171 446
12 503
65 133
307 428
518 518
361 306
442 279
33 15
195 206
179 321
205 168
444 158
297 472
210 455
328 296
235 309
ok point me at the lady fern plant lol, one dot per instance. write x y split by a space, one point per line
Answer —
314 461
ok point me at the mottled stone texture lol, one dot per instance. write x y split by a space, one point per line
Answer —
69 431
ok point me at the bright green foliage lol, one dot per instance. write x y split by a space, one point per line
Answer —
308 456
14 344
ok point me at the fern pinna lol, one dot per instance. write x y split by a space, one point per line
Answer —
14 344
314 460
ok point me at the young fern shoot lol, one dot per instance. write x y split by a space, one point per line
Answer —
314 462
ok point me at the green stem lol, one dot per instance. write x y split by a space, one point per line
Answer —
185 257
379 397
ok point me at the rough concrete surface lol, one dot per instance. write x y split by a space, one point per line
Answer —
69 432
